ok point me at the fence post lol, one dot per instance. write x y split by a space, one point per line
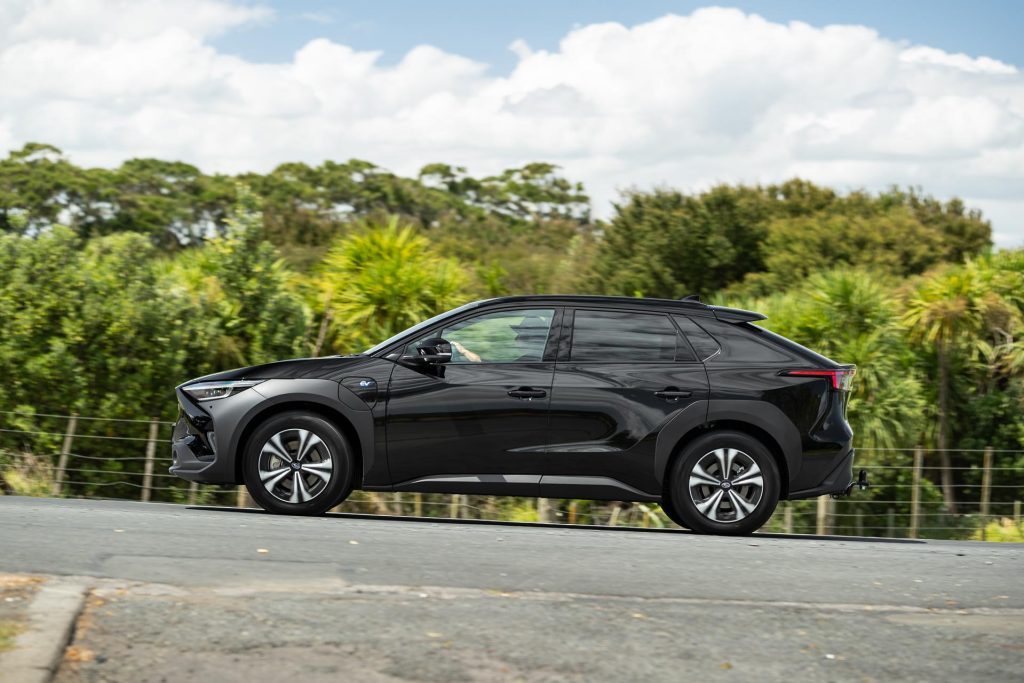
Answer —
915 492
616 511
193 490
1016 512
453 507
65 451
986 483
242 497
543 511
417 504
822 525
859 523
572 512
787 518
397 499
147 476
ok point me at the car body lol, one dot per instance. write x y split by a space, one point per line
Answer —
594 397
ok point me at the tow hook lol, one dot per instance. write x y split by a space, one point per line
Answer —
861 483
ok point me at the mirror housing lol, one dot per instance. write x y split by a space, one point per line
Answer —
432 351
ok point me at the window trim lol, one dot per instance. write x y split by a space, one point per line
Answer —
696 355
569 321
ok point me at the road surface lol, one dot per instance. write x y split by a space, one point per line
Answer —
188 593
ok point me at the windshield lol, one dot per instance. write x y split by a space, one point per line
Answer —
417 327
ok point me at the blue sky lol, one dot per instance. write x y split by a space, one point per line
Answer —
483 30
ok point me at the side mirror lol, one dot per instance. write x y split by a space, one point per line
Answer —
430 351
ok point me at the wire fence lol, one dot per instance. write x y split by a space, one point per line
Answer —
122 457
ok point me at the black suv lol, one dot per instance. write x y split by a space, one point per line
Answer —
608 398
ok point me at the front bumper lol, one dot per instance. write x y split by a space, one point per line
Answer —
200 448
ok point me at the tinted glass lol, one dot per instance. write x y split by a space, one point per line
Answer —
415 328
740 342
703 344
516 336
791 346
613 336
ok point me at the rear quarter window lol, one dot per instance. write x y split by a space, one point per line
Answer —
742 342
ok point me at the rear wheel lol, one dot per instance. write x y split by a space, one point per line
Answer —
670 512
724 483
297 464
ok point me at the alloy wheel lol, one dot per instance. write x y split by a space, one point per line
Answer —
726 485
295 465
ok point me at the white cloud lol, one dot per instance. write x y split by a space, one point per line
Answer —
104 20
929 55
685 101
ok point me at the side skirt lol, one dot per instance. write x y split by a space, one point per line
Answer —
529 485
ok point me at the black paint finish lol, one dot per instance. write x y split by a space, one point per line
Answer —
468 419
605 417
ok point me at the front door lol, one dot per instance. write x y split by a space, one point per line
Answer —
478 422
626 374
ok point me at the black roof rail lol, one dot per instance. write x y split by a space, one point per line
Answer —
692 302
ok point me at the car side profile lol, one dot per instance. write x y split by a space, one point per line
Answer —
607 398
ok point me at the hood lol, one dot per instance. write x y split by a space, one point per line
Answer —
327 367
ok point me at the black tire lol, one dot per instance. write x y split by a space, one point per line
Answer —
741 508
670 512
289 429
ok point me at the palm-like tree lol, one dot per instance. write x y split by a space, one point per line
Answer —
948 311
382 279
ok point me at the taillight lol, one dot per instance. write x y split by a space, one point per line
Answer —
841 378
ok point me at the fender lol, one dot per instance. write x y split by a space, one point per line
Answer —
327 393
698 414
768 418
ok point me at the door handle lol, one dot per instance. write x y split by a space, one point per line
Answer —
673 394
527 393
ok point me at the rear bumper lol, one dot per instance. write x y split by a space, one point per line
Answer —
837 481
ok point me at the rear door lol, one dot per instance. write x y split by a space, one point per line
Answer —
620 375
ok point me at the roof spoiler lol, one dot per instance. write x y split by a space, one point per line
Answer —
736 315
726 314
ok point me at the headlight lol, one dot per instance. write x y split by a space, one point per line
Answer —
208 391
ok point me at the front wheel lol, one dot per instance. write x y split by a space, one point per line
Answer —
297 464
724 483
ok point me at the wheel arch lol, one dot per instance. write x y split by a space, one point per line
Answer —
759 419
751 430
329 413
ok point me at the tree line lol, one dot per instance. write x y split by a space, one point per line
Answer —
117 284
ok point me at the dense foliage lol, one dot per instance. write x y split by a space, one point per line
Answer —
116 284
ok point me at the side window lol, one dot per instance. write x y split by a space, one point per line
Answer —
516 336
619 337
703 344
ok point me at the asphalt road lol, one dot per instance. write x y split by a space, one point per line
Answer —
203 594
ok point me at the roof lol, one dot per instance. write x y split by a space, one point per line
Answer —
725 313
